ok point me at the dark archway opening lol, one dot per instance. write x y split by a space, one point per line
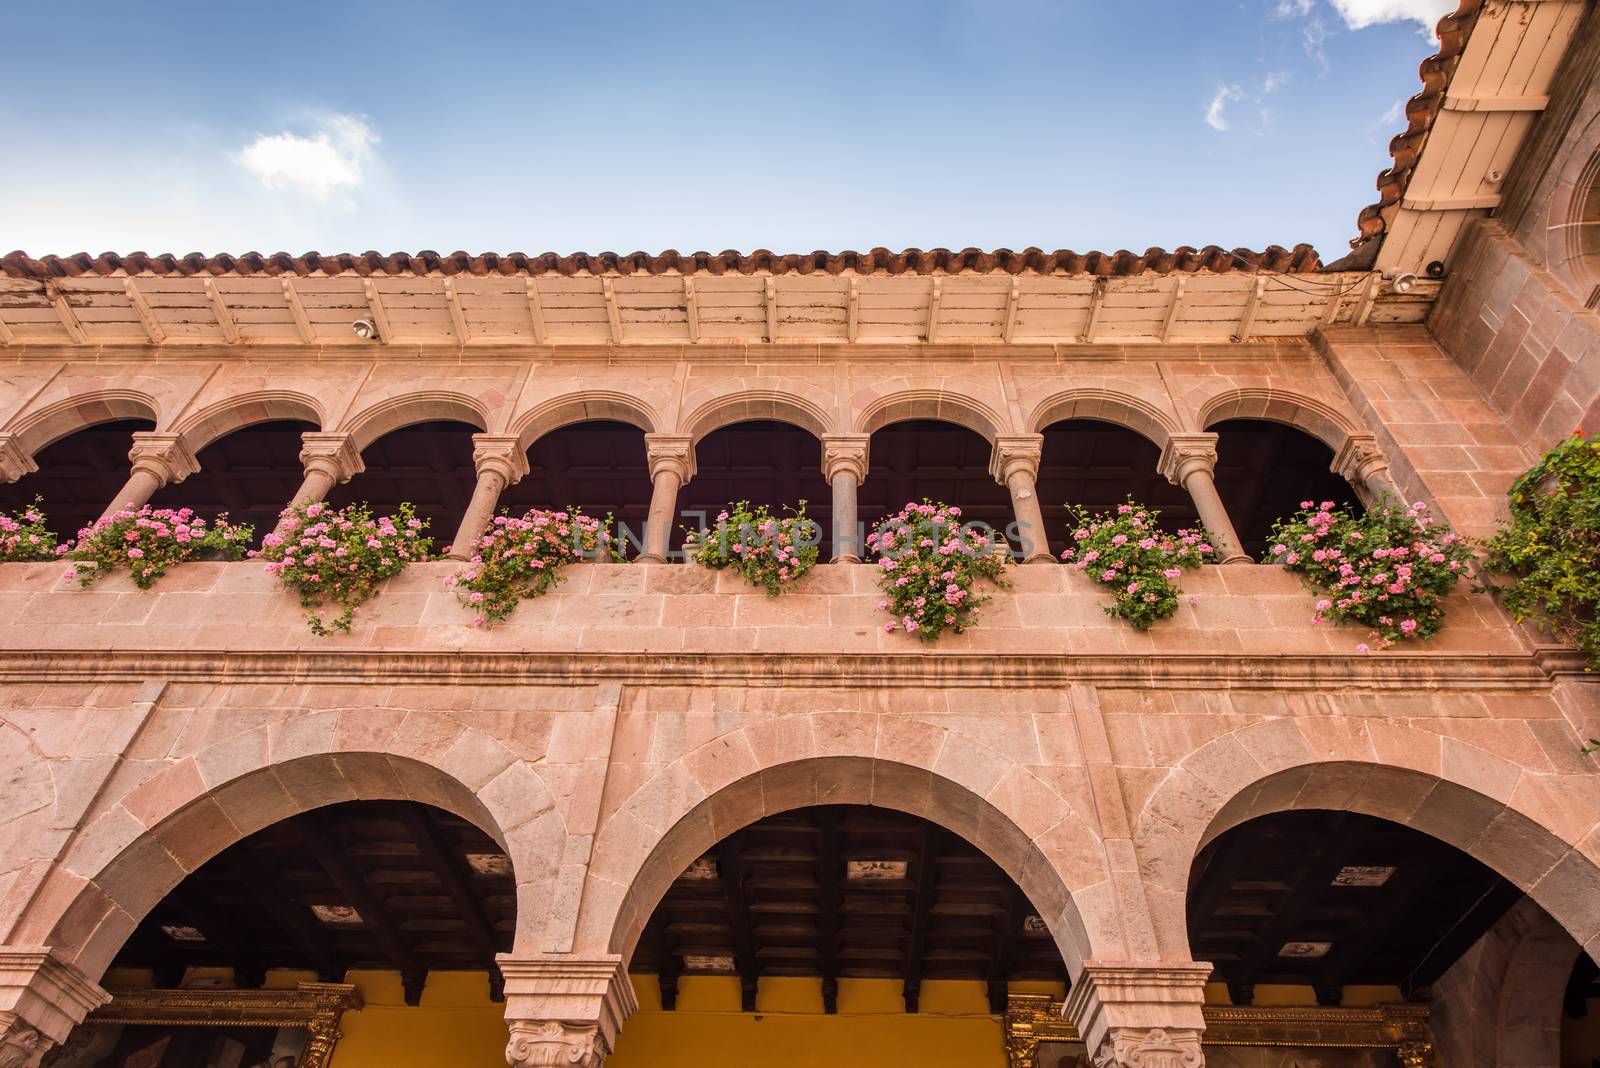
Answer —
1264 470
761 461
251 474
601 467
78 476
1099 465
392 885
930 458
838 891
428 464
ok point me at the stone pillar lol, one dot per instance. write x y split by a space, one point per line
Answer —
1014 463
671 465
844 465
1188 461
500 461
158 459
14 463
1140 1015
1362 464
41 1000
563 1010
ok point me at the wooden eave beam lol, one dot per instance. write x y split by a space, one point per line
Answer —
921 914
141 308
380 317
302 321
535 312
292 918
458 318
247 967
1011 921
64 312
323 846
1496 103
691 306
7 335
852 312
660 941
613 313
830 877
1390 903
1013 299
452 872
219 308
730 872
935 298
1247 318
770 294
1097 297
1173 306
1472 202
1369 294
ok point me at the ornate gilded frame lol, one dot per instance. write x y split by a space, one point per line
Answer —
317 1007
1035 1018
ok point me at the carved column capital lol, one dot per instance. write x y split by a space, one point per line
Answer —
164 456
41 1000
670 452
845 454
1360 461
1185 454
502 454
14 462
1140 1015
1155 1048
334 454
564 1010
1013 453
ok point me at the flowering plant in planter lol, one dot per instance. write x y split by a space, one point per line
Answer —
928 561
522 556
340 555
1388 569
1142 563
24 536
1551 548
149 540
770 551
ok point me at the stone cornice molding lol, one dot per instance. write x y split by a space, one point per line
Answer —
42 999
1420 673
1186 454
845 454
165 456
1359 460
670 452
332 453
14 462
501 454
1013 453
564 1010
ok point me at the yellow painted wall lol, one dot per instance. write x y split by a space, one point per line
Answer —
456 1024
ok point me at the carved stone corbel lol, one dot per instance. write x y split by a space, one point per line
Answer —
543 1043
1159 1047
14 462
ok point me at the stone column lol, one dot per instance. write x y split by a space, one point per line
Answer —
158 459
1014 463
1362 464
329 460
562 1010
41 1000
14 463
671 466
1188 461
1140 1015
500 461
844 465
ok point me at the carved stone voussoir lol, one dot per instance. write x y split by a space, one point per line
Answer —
538 1043
1156 1048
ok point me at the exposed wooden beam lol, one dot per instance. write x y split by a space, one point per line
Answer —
852 311
691 304
935 297
453 874
375 305
292 918
535 312
1369 293
1463 203
1173 305
1013 299
323 846
64 312
770 291
1390 905
1097 297
1496 103
219 308
1247 318
731 873
921 913
659 939
141 307
830 877
1224 866
1336 295
7 335
1012 918
248 970
302 321
458 318
613 313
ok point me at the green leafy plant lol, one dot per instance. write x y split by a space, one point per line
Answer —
25 536
148 541
1128 552
1388 569
769 551
1551 547
522 556
339 555
928 562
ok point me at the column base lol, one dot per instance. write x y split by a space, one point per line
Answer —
1140 1015
564 1010
1237 558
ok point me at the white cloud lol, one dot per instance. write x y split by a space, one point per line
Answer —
1214 110
1359 14
1274 81
1312 38
1393 115
1291 8
333 158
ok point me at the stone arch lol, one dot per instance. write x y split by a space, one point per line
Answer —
34 430
1108 406
1580 254
756 404
931 404
235 413
421 407
136 850
1468 797
1317 418
997 804
590 405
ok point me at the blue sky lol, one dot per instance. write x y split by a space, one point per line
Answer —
699 125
